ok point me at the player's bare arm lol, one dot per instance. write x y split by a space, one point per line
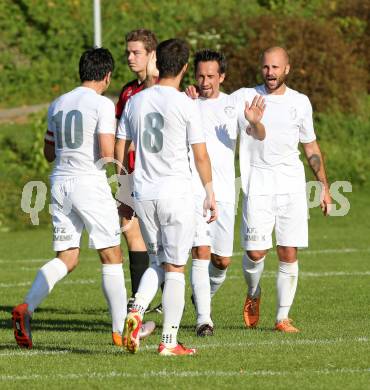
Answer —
49 152
106 147
121 149
316 162
253 114
204 169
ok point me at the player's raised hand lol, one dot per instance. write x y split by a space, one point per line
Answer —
151 69
192 91
253 113
210 204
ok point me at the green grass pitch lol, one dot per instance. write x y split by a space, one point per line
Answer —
72 334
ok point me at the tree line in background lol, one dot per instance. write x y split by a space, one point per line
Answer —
328 41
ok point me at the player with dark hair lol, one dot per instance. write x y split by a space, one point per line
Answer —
80 139
95 64
223 116
140 52
207 55
162 122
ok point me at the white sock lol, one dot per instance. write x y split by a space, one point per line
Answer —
287 280
49 274
201 290
113 284
252 273
173 302
216 277
149 284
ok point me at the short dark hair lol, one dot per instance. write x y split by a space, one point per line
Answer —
206 55
146 36
172 55
95 64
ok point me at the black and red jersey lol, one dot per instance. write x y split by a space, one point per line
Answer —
128 90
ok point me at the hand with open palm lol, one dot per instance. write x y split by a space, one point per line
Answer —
253 113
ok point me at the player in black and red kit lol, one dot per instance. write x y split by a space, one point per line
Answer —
140 53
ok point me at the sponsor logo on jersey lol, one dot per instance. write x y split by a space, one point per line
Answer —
60 234
230 111
293 113
253 235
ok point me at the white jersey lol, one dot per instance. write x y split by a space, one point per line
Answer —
220 124
74 121
162 122
273 166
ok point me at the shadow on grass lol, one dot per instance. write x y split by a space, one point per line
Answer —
46 349
66 325
96 311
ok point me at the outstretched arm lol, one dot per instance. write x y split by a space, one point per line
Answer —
316 162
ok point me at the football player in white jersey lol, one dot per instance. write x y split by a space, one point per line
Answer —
162 122
222 116
274 187
80 139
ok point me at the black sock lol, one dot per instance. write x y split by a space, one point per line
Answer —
139 262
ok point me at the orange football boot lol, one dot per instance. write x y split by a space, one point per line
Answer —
180 349
117 339
251 312
286 326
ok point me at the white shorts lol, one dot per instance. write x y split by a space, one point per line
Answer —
168 227
84 201
287 212
219 235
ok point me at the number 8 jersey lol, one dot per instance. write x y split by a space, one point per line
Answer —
162 122
74 121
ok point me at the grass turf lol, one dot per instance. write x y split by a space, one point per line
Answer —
71 329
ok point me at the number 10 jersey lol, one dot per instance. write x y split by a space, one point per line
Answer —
162 122
74 121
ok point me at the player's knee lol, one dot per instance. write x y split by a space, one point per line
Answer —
71 265
221 262
132 234
112 255
287 254
201 252
256 255
69 258
168 267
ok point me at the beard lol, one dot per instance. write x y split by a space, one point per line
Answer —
206 93
278 82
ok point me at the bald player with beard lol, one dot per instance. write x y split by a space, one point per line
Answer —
274 187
